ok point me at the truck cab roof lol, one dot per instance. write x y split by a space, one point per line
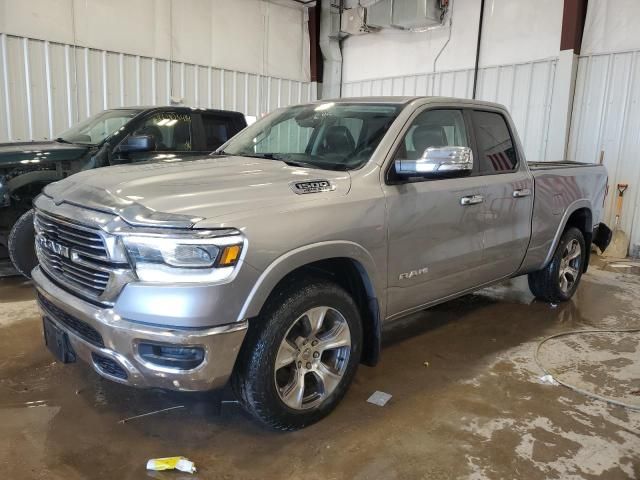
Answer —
406 100
162 108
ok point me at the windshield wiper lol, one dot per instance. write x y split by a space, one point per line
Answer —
295 163
61 140
267 156
276 156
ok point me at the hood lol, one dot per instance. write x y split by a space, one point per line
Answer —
180 194
36 152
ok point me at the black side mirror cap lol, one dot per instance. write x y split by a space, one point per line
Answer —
137 143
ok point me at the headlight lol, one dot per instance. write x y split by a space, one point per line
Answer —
183 259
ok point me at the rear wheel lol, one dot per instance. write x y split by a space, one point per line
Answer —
22 250
558 281
300 355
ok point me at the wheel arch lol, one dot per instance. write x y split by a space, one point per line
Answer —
37 177
579 215
346 263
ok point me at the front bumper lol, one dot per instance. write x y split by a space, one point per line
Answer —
109 343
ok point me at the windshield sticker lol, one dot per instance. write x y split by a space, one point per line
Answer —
171 118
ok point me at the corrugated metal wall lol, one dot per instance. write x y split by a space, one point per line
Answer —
45 87
526 89
606 117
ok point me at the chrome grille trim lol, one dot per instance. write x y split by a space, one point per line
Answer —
82 239
80 258
68 277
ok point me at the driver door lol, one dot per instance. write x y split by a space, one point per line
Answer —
435 235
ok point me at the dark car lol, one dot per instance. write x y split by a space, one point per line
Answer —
111 137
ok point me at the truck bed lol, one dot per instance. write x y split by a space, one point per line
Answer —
561 188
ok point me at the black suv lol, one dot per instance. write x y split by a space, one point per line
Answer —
111 137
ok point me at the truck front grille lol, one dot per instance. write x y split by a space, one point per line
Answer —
82 239
73 254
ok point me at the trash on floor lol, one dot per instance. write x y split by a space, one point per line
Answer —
379 398
125 420
426 364
548 379
171 463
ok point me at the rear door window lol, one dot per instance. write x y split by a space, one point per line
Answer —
496 148
217 130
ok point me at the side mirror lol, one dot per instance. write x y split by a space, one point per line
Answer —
137 143
438 162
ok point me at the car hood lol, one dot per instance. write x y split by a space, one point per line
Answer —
39 152
182 194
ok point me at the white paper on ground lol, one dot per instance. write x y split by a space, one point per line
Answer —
379 398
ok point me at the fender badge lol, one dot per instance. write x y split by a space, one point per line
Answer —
312 186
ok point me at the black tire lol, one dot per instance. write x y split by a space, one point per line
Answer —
22 250
545 283
253 380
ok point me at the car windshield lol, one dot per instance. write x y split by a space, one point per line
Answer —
97 128
334 136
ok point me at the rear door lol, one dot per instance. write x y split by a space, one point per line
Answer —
508 189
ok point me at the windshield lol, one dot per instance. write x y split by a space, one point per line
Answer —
334 136
95 129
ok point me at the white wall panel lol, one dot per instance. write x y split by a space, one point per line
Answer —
525 89
611 26
606 118
45 87
244 35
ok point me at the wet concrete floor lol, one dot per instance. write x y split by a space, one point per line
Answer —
467 401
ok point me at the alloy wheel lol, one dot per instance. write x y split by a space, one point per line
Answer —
312 358
570 265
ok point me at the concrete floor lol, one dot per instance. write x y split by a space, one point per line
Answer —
476 410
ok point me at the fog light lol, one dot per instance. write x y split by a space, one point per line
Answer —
181 358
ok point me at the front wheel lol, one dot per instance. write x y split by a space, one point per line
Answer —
300 355
22 250
559 280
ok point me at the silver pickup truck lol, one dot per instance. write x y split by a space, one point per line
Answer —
275 261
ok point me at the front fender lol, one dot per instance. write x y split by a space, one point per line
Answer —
305 255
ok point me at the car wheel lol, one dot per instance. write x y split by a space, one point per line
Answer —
558 281
300 355
22 250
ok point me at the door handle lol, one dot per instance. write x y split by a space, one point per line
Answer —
471 200
523 192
